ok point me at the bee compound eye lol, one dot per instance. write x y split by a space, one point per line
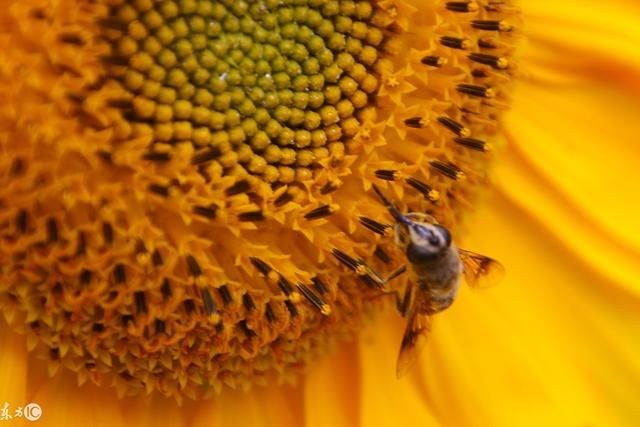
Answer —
417 254
445 234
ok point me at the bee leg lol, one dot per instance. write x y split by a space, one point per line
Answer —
397 272
377 279
402 303
400 237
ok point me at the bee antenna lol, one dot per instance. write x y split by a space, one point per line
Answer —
393 210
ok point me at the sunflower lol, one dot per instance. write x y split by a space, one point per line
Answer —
187 211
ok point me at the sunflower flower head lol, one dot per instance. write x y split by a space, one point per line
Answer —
185 200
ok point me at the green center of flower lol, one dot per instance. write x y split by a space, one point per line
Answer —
271 88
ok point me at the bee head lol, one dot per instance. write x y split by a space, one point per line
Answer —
426 241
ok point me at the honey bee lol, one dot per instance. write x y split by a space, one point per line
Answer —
435 265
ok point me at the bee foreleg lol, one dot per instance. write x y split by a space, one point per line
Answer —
397 272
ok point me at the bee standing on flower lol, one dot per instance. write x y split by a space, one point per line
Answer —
435 267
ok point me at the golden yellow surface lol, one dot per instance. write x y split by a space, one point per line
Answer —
556 343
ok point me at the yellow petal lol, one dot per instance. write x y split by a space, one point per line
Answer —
608 30
332 390
63 403
13 367
260 407
385 400
554 344
156 411
572 163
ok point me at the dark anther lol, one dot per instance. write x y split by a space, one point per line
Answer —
206 156
156 258
98 327
160 326
329 187
245 328
82 244
140 247
107 233
120 103
321 212
119 273
85 277
112 295
319 286
159 189
374 225
57 288
285 285
293 311
345 259
454 42
125 319
189 306
248 303
209 303
251 216
71 38
52 230
21 221
370 281
423 188
122 61
141 302
434 61
386 174
314 299
448 169
17 167
156 156
479 74
35 325
475 90
454 126
486 44
283 199
38 14
237 188
206 211
491 60
473 144
491 25
268 312
166 288
260 265
415 122
55 353
382 255
106 156
461 6
194 267
225 295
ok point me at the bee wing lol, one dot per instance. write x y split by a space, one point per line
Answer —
480 271
415 335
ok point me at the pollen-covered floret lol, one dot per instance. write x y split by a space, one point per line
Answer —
186 200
